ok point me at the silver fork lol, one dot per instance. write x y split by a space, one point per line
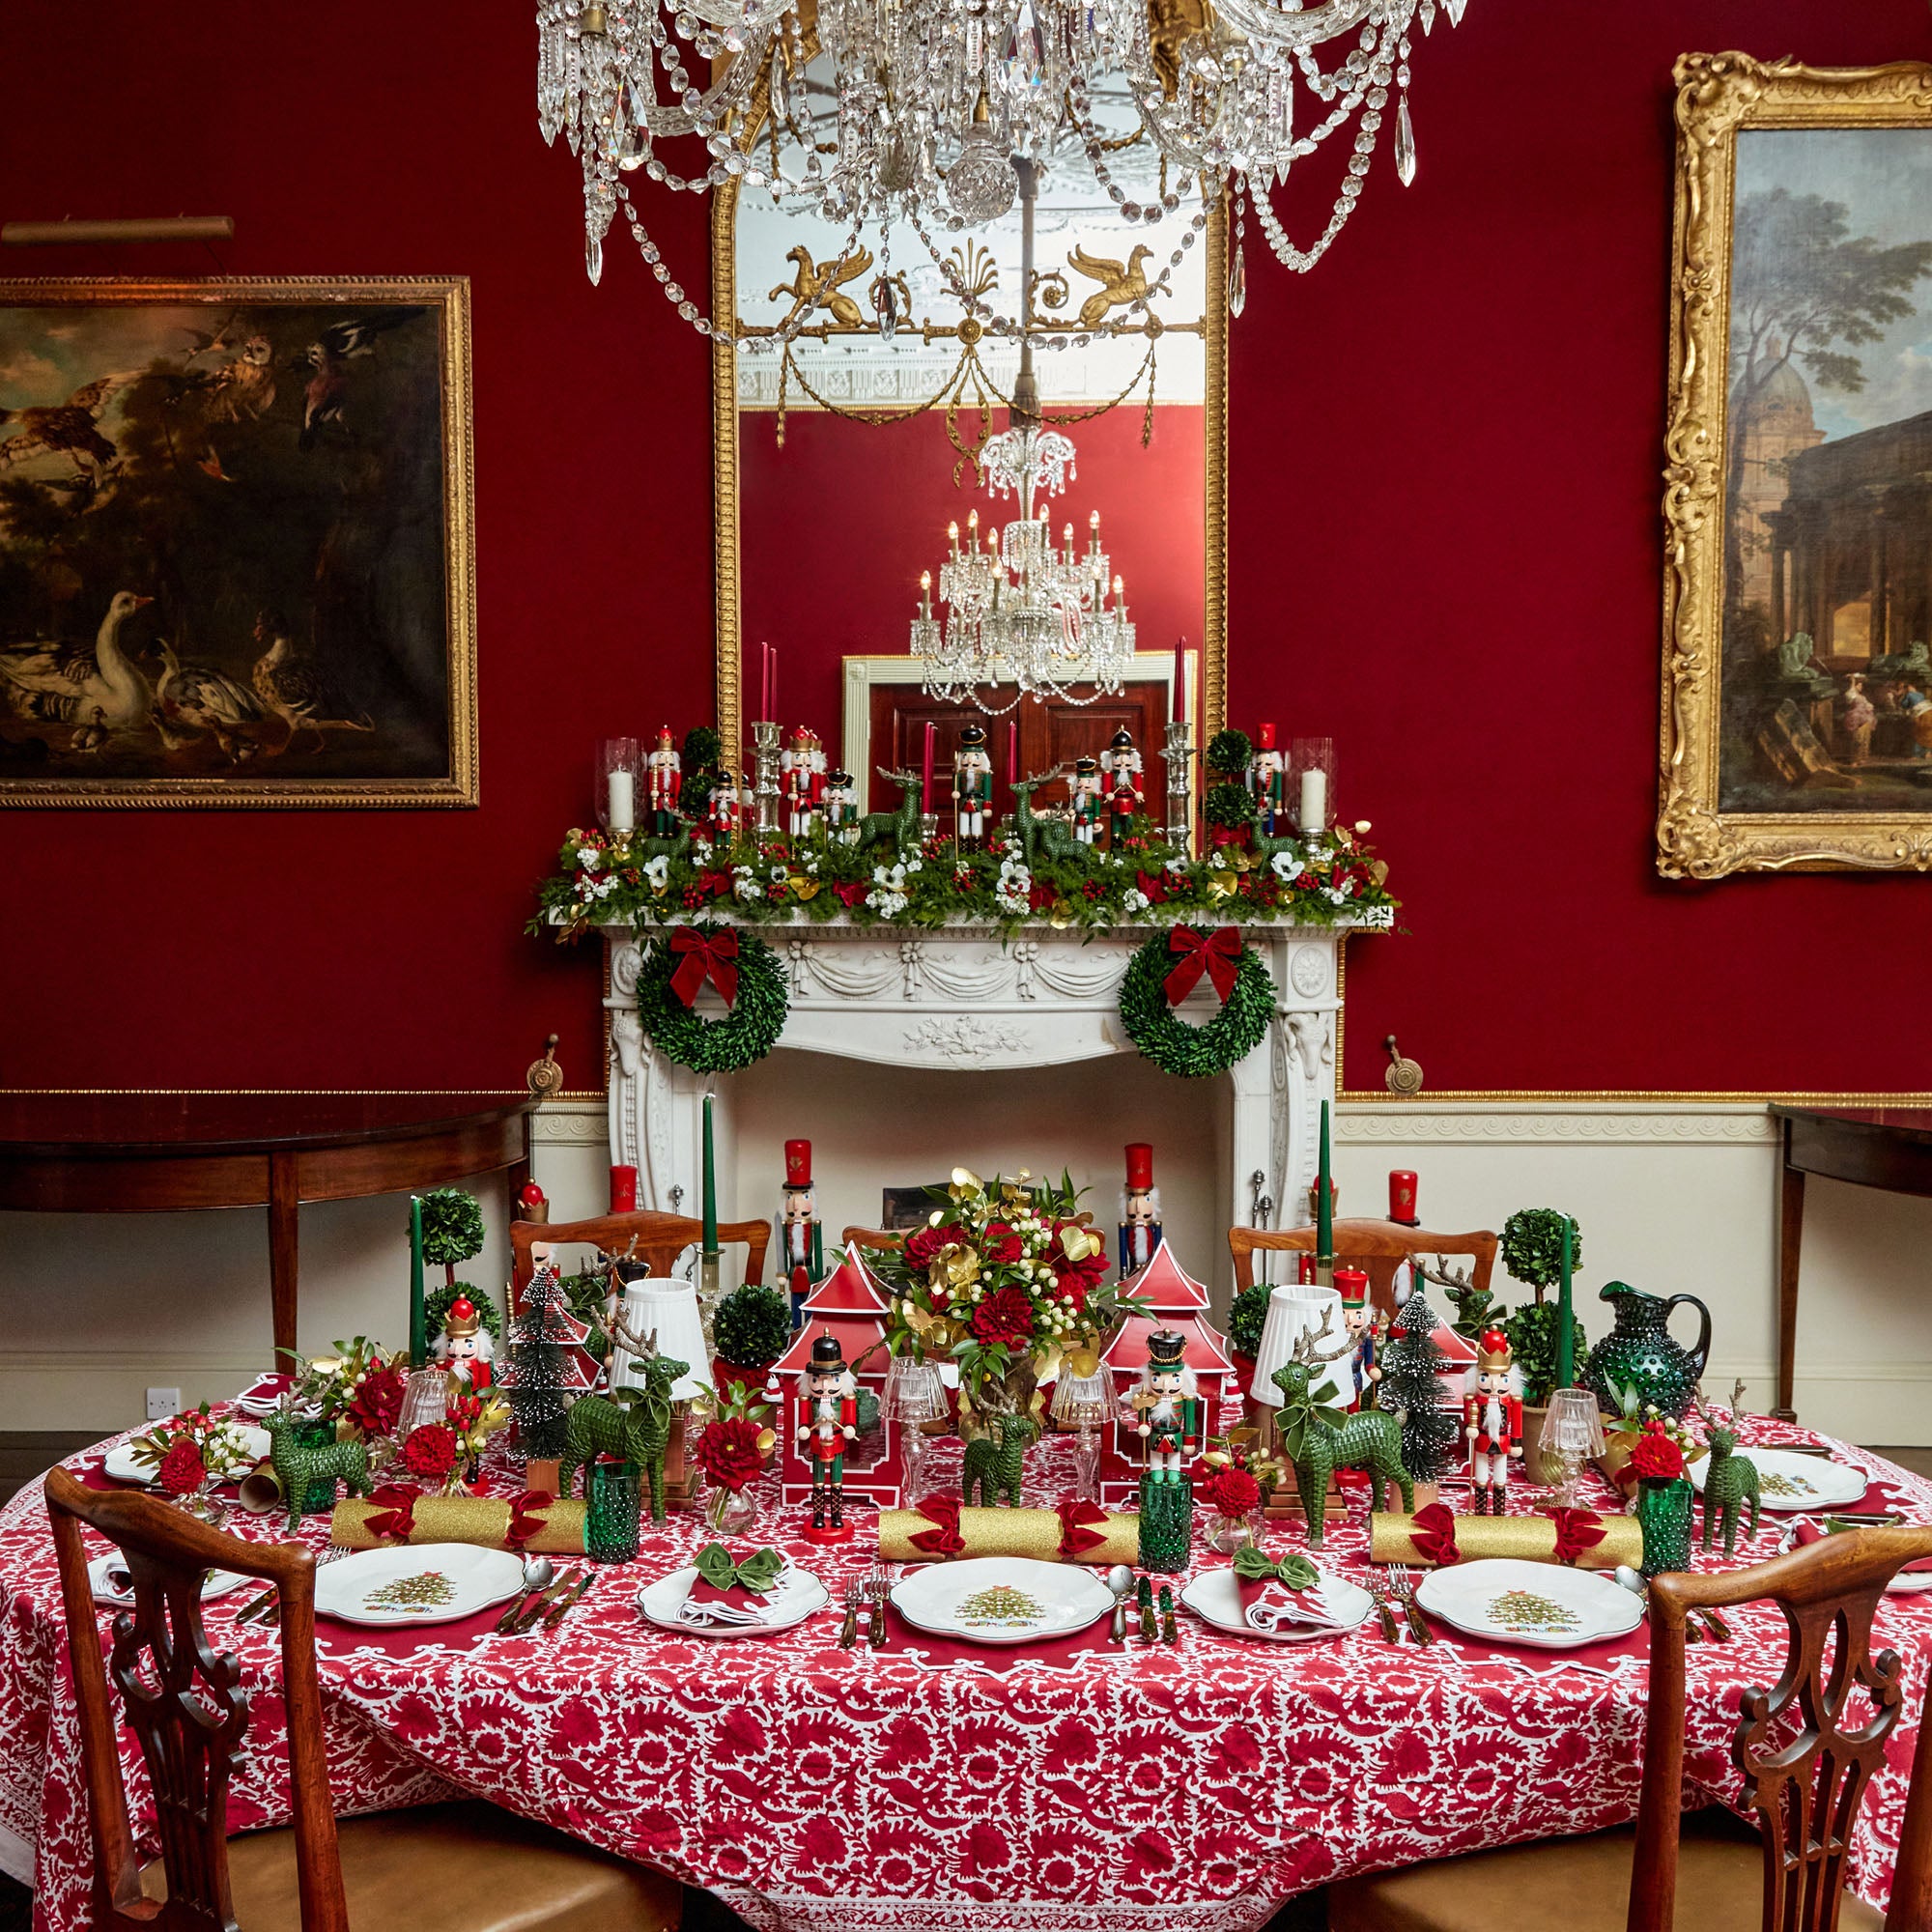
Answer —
1402 1587
877 1588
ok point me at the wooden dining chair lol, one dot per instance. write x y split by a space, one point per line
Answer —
1376 1247
875 1240
644 1236
459 1867
1805 1757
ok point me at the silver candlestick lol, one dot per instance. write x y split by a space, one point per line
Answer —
1179 754
765 780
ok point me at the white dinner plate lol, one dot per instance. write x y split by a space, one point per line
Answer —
120 1462
1788 1481
1215 1597
215 1583
478 1577
797 1595
1469 1597
1002 1600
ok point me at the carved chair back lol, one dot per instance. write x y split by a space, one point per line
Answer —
644 1236
1805 1753
182 1703
1376 1247
879 1240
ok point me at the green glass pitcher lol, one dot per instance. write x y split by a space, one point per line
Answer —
1639 1352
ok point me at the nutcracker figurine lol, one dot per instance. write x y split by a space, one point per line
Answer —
464 1347
828 1418
1268 778
665 774
721 805
1086 789
972 787
802 781
1364 1335
801 1237
1139 1212
1165 1411
841 808
1492 1419
1125 797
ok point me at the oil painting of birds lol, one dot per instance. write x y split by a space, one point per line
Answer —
70 429
95 691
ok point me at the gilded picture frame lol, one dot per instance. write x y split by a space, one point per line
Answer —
237 544
1795 608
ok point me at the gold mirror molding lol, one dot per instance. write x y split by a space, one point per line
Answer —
726 447
1763 536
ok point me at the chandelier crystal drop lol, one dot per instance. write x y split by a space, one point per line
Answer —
917 110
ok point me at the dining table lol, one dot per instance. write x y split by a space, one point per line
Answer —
1080 1785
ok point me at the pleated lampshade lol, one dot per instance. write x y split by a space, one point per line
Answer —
665 1308
1296 1308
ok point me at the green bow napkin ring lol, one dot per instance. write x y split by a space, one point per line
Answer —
1253 1566
758 1572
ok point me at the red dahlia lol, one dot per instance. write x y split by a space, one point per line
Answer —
378 1403
183 1471
430 1450
1657 1459
922 1246
1005 1316
1231 1492
727 1452
1000 1244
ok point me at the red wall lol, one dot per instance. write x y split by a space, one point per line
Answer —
1445 553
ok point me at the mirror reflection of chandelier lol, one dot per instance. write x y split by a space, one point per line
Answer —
1022 611
930 103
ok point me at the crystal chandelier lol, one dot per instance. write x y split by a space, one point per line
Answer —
918 111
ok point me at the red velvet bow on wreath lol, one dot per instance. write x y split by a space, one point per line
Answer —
1216 953
706 956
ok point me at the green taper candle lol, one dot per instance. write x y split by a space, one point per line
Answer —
1325 1208
418 1313
710 1244
1565 1340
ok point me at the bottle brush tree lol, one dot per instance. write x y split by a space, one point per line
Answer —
1411 1364
538 1373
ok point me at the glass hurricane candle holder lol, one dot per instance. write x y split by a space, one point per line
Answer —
1573 1431
425 1400
1310 785
913 1395
1083 1403
613 1511
619 766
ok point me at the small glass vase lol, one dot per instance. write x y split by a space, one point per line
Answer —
732 1511
611 1516
1225 1534
1664 1514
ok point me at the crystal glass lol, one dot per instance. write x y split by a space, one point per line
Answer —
1084 1403
1225 1534
619 768
611 1518
733 1512
1310 785
1167 1524
914 1394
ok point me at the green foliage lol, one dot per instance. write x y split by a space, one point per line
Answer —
436 1306
1230 752
1174 1044
1411 1364
1229 805
452 1220
1247 1317
746 1034
702 749
1472 1309
752 1326
1532 1247
1532 1333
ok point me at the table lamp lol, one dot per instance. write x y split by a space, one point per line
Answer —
1083 1403
1296 1309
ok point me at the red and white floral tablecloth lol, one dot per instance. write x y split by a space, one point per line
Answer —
823 1790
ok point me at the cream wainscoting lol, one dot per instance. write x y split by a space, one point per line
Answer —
1673 1197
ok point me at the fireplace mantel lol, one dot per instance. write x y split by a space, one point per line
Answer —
962 999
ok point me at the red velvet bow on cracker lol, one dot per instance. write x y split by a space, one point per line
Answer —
1433 1531
1577 1530
396 1507
1075 1537
705 955
1216 953
943 1538
524 1517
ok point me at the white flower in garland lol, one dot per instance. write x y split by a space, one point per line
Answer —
887 896
588 858
1013 889
1179 867
1287 867
743 885
656 873
1135 901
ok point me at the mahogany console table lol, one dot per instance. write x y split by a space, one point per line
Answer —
1889 1148
136 1153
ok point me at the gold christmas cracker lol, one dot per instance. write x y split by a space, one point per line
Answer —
1532 1538
479 1520
1010 1532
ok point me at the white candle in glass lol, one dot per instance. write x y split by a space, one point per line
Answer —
620 802
1313 800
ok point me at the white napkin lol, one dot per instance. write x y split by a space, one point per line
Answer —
718 1614
1278 1606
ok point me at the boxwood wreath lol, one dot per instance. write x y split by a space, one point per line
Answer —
1172 1043
747 976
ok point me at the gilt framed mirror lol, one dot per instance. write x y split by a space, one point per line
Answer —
848 446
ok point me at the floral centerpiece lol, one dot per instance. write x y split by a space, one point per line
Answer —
360 1384
731 1450
1006 1280
1626 1431
191 1452
447 1452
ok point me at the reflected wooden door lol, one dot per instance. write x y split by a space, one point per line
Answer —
1053 732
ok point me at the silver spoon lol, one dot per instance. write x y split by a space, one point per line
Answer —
1120 1581
1633 1581
539 1574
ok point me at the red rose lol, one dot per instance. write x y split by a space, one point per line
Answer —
851 895
1005 1316
1000 1244
1657 1459
378 1403
1153 885
183 1471
923 1247
430 1450
1231 1492
727 1452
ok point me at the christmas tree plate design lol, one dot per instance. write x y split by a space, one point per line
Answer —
796 1595
1546 1606
1215 1597
1002 1600
1789 1481
416 1583
121 1463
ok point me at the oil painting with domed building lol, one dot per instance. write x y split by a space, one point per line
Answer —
235 543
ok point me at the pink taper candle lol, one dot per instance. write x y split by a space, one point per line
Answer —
1180 681
1013 749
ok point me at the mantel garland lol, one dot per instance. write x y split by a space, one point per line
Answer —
1173 1045
605 881
748 1030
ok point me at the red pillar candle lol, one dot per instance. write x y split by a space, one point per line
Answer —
1401 1197
623 1190
1304 1268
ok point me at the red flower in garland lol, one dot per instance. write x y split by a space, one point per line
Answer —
378 1403
1000 1244
851 895
1005 1316
183 1471
1231 1492
1153 887
923 1247
430 1451
465 1410
727 1452
1657 1459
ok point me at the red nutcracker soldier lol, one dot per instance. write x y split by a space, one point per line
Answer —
1125 797
1268 778
972 787
464 1347
1492 1420
1139 1212
828 1419
664 780
801 781
1166 1408
1086 798
801 1237
1364 1335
